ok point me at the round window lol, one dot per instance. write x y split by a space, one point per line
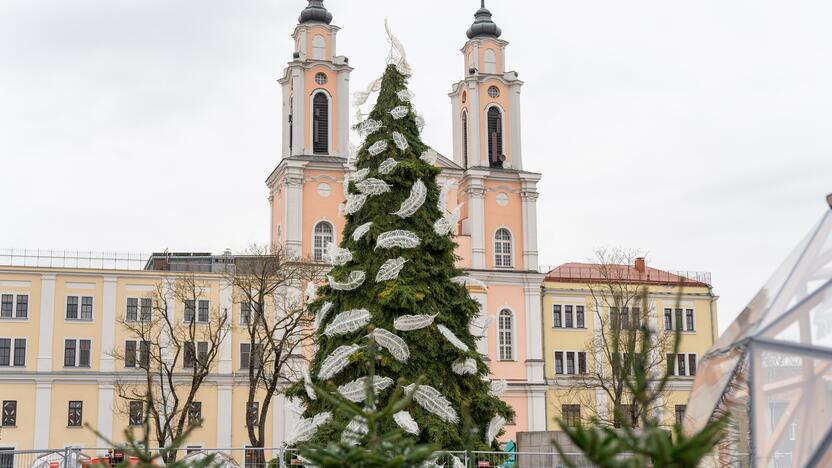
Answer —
321 78
494 92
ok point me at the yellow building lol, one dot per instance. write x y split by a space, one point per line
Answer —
576 310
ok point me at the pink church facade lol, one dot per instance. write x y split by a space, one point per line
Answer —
497 233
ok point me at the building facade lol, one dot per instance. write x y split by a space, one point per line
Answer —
576 311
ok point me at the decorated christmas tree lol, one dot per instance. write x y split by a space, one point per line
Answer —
394 279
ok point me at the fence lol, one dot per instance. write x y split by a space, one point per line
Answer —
45 258
265 458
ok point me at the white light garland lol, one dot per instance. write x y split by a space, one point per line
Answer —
373 186
497 387
429 156
413 322
398 238
444 225
336 255
392 343
347 322
443 196
453 339
406 422
321 315
311 291
457 462
432 401
355 280
466 280
355 430
354 203
400 141
404 95
390 269
420 123
414 201
360 174
356 391
377 147
464 366
387 166
361 230
307 384
494 426
337 361
369 126
399 112
305 429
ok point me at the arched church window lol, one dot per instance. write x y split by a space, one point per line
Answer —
505 335
321 78
502 248
495 137
323 236
319 48
320 124
490 61
465 139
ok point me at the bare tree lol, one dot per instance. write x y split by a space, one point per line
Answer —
624 341
173 355
268 285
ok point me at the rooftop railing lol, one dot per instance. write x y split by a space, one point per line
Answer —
45 258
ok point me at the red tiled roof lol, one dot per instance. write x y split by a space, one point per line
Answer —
589 273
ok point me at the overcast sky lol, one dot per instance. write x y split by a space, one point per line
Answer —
699 132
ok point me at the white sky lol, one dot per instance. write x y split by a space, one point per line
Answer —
700 132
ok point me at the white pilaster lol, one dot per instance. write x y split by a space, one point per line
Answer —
529 213
515 128
343 100
106 395
298 112
476 215
47 314
279 430
43 410
226 307
477 157
536 400
287 111
534 334
108 324
456 125
294 210
224 422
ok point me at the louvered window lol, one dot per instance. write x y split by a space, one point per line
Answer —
465 139
495 137
320 124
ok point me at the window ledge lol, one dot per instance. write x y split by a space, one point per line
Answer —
71 320
14 319
573 329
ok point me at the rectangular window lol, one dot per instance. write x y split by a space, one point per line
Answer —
582 363
203 312
570 363
571 415
22 310
76 413
626 413
195 414
556 316
253 457
245 313
9 413
86 308
5 351
689 325
136 413
72 307
671 364
189 354
84 353
69 353
678 318
636 318
579 317
144 354
680 366
245 355
132 309
615 320
625 318
130 354
252 413
20 352
568 323
202 352
558 362
668 319
680 413
146 309
7 457
190 311
6 306
691 365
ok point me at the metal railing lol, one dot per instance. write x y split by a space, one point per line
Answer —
45 258
588 273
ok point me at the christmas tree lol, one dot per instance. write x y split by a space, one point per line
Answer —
394 280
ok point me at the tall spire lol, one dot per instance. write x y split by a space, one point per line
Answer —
483 25
315 12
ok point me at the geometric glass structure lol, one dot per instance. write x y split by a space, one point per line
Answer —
772 368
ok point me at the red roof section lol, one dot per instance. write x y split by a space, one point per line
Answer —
591 273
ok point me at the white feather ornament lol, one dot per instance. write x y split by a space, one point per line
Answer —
420 123
406 422
373 186
369 126
457 462
311 291
397 238
404 95
387 166
494 427
466 280
355 280
355 430
305 429
449 335
445 225
464 366
443 196
432 401
354 203
390 269
321 315
337 361
356 391
429 156
399 112
348 322
360 174
392 343
307 384
418 194
413 322
400 141
497 387
377 147
336 255
361 230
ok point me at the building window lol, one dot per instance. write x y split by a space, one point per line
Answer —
72 308
678 317
203 312
626 413
323 236
494 92
245 313
580 321
689 322
12 356
188 355
7 457
680 414
320 124
318 47
668 319
246 356
464 136
691 365
321 78
571 415
190 311
7 306
495 137
252 413
505 335
86 308
77 353
681 365
570 362
22 310
195 414
132 309
73 312
75 416
136 413
557 320
558 362
9 413
568 321
490 61
146 309
8 309
502 248
137 353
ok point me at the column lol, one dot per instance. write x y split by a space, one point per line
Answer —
108 324
279 429
226 307
47 313
534 332
529 210
476 215
342 124
43 410
515 128
224 421
475 158
299 122
106 395
294 210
